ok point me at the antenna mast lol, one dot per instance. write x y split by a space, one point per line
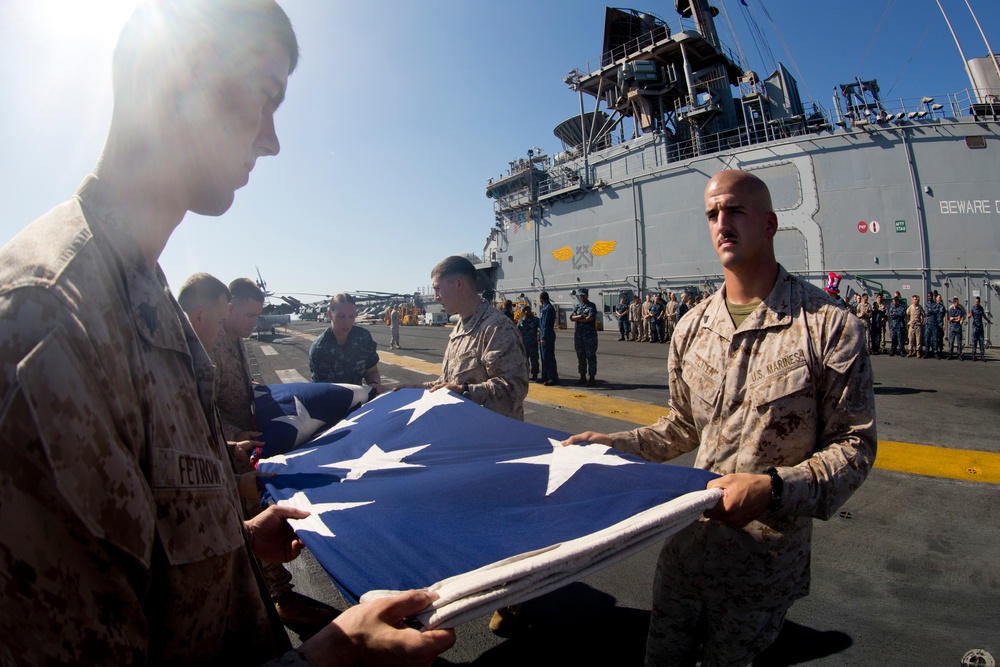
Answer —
989 49
965 62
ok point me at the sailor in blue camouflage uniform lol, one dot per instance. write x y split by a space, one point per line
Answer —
657 309
528 325
772 383
977 314
897 326
585 338
122 542
956 318
622 313
345 352
932 328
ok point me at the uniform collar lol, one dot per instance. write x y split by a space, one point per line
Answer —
482 310
774 311
157 318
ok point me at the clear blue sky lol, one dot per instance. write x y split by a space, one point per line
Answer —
401 110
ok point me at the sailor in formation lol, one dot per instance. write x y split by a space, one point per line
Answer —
977 314
585 338
896 312
956 318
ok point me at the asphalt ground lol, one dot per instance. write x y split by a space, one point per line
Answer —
908 573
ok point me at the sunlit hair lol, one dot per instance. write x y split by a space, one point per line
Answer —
200 291
160 31
244 289
339 299
455 266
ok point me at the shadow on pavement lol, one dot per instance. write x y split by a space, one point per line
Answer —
798 644
575 625
901 391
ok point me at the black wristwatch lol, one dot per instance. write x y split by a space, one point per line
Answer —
465 390
777 488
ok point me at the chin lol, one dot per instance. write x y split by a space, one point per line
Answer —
213 204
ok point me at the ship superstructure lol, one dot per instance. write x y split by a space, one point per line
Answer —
893 196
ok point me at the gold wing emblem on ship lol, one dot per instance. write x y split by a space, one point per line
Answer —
563 253
601 248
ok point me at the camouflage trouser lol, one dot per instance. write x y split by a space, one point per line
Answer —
685 628
623 328
931 343
394 336
532 352
585 342
978 340
916 338
955 335
897 337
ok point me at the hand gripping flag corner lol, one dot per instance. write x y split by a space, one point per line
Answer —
425 489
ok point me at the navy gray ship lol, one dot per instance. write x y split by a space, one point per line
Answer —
892 196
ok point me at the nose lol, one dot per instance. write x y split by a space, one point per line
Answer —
267 138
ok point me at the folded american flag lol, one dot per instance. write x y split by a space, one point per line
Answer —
422 489
290 414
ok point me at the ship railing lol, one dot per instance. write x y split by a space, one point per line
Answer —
644 41
984 103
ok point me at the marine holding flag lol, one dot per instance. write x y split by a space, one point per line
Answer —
772 381
122 541
484 360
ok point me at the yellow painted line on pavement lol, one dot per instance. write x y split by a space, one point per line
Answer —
597 404
411 363
967 464
964 464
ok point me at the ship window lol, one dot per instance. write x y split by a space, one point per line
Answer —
510 258
975 142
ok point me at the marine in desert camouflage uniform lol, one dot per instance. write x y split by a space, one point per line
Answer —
779 403
122 542
484 360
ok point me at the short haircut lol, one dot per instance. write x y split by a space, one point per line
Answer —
159 30
338 299
200 290
544 296
455 266
244 289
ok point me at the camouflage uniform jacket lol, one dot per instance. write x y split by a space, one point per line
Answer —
122 540
528 326
635 312
791 388
233 385
672 311
330 362
486 351
915 315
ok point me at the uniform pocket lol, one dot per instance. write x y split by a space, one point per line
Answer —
196 513
788 382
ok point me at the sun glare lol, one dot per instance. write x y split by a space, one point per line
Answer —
78 19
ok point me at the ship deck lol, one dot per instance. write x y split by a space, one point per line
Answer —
907 573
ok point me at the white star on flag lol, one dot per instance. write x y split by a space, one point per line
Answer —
564 462
313 523
376 459
427 401
282 459
303 423
343 423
